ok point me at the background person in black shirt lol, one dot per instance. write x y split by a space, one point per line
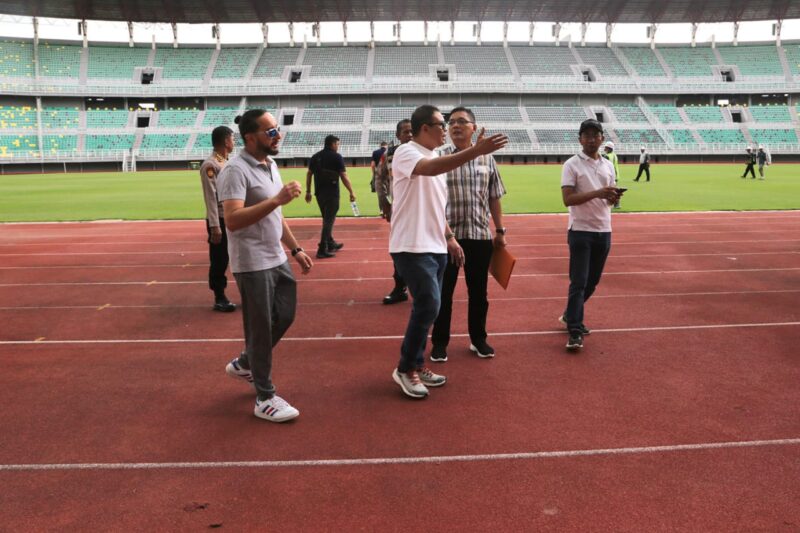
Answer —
327 167
750 158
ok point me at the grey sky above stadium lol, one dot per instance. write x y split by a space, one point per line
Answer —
205 11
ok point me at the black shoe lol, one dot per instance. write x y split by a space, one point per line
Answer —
335 246
325 253
584 329
482 349
439 354
223 305
575 341
395 296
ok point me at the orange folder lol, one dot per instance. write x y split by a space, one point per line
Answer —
501 266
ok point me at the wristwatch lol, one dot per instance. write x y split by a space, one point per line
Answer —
501 231
297 251
448 236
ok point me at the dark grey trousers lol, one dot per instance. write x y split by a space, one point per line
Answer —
269 301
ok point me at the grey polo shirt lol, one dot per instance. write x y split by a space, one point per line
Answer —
257 246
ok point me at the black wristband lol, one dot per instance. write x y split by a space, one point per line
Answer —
297 251
501 231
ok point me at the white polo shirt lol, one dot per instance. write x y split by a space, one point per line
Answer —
419 204
586 174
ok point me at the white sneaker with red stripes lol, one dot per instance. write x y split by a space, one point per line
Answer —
275 409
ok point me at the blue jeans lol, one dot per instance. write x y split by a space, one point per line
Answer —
588 251
423 274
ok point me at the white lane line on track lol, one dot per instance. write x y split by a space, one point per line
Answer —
384 261
398 337
384 236
385 248
378 303
361 279
375 461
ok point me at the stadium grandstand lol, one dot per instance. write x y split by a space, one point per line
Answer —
94 103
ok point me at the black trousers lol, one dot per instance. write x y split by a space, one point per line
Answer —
643 167
588 251
218 257
477 256
751 169
328 207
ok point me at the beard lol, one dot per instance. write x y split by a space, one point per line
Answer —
271 151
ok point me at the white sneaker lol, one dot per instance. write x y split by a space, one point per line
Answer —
276 409
235 370
410 383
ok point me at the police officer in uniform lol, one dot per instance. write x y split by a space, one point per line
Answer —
222 140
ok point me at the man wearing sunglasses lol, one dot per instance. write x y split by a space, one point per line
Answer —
252 194
474 190
420 238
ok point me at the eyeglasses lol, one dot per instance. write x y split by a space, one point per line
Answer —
271 133
442 125
460 122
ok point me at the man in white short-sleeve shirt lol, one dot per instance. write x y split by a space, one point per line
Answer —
420 239
252 194
588 188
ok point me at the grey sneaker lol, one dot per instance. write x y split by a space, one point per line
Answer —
410 383
429 378
584 329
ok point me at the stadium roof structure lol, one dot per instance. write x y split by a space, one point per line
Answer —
229 11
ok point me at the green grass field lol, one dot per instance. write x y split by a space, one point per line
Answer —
531 189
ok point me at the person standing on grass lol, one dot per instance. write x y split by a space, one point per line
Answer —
751 163
222 141
644 164
327 167
473 190
383 186
588 189
252 194
420 238
608 153
763 160
375 162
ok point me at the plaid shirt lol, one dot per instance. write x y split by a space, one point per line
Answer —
469 189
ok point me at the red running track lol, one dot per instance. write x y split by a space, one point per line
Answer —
680 414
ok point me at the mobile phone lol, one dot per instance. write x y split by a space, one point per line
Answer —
621 190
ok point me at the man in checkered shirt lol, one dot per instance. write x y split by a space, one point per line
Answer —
473 195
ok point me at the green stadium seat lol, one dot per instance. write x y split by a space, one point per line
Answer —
687 62
404 61
109 142
160 141
704 114
59 60
753 60
722 136
18 145
644 61
770 113
773 136
17 117
115 62
233 62
183 63
16 59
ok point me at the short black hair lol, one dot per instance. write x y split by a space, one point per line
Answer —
401 124
219 134
330 139
421 116
590 124
248 123
384 143
463 110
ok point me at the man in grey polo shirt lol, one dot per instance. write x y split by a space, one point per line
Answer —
252 193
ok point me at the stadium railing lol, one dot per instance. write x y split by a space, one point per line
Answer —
19 86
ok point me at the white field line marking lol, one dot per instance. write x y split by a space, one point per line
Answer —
383 261
360 279
375 461
386 249
398 337
377 303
